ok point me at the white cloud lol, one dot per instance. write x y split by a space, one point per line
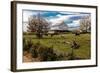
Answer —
59 15
74 23
58 20
27 14
25 27
61 18
74 13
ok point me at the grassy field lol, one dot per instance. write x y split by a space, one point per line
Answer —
63 44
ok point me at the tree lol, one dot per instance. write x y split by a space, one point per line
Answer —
39 25
85 24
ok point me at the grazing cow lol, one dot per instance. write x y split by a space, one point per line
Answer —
75 45
77 33
63 36
52 34
46 34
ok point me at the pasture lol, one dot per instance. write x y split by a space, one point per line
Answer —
62 44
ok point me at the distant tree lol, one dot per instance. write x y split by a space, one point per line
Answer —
39 25
76 32
85 24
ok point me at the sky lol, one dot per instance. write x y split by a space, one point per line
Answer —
71 19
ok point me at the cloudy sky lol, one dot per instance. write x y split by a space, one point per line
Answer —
55 17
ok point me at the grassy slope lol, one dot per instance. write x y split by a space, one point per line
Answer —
57 43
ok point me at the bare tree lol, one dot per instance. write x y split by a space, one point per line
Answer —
85 24
39 25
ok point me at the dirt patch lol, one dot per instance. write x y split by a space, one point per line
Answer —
28 57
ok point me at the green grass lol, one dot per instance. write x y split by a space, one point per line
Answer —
58 43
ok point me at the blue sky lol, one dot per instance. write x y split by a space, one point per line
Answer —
55 17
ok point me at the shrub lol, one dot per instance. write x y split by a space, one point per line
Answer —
34 51
43 53
27 44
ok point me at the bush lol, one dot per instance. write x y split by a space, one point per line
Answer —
43 53
27 44
34 51
46 53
